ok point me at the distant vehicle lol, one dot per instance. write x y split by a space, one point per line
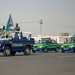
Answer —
46 45
69 45
18 43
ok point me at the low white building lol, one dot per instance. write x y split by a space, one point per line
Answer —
59 39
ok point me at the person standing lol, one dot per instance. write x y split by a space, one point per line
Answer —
4 33
17 28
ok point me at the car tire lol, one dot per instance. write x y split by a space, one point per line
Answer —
57 49
33 51
7 51
74 51
27 51
45 50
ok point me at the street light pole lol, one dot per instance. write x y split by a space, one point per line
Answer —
41 28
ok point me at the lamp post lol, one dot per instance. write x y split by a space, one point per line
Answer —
41 28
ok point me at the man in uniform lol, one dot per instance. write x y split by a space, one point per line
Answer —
17 28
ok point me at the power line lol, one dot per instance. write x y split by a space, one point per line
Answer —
28 22
58 25
24 22
44 23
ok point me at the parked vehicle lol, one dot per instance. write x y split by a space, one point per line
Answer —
18 43
46 45
69 45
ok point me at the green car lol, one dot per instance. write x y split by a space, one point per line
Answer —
69 45
46 45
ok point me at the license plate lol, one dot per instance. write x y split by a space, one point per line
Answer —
65 48
35 48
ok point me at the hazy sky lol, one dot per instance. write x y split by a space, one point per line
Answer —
57 15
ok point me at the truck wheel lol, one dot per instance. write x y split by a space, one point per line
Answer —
7 51
57 49
13 53
27 51
45 50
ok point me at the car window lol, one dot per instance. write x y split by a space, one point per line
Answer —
54 42
71 41
49 41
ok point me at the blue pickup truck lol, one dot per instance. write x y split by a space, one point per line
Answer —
18 43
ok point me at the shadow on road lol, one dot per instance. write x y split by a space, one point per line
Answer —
19 54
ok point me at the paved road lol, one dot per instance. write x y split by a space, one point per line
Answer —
38 64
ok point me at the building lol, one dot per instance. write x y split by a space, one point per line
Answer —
60 39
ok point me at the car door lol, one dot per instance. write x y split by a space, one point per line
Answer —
17 44
48 45
52 45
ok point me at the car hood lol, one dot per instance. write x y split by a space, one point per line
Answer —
67 45
37 45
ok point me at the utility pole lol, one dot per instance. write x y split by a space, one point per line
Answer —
41 28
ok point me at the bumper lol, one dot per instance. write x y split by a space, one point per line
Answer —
68 49
1 49
37 50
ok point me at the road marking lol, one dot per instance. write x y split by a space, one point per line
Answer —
70 56
4 60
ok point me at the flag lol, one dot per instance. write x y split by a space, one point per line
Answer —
9 23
